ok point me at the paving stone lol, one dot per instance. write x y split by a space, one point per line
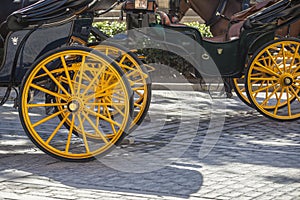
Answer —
254 158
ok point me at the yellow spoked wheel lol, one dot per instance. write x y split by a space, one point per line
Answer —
273 77
137 75
81 89
240 90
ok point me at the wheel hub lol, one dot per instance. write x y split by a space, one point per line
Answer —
287 80
73 106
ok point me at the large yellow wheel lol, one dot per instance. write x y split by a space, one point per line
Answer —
273 78
240 90
137 75
82 88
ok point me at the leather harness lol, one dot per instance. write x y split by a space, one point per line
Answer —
217 15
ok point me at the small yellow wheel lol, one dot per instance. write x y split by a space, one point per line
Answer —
240 90
81 88
137 75
273 79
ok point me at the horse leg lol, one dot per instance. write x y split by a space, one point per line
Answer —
228 87
178 8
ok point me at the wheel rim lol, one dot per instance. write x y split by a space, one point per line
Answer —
273 80
240 89
77 104
138 77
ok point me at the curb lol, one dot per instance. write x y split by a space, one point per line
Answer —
187 87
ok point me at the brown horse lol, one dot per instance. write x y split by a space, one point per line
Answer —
217 14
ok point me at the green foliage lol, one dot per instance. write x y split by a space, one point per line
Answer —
111 28
115 27
204 30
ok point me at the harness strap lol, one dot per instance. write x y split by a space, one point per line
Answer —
218 14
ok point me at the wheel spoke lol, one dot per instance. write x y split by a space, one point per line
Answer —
115 107
63 97
55 81
269 96
99 93
278 102
104 104
264 88
283 57
139 93
295 93
45 105
81 69
83 134
48 118
127 68
274 61
102 117
138 105
70 134
264 79
95 128
288 101
123 58
63 61
109 116
92 82
264 69
57 128
294 57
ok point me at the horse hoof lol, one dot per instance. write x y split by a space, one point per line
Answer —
229 95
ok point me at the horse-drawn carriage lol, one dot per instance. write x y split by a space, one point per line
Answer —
250 49
77 100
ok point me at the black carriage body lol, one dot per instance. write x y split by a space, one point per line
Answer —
9 6
23 47
31 45
229 57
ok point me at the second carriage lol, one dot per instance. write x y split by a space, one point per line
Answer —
249 51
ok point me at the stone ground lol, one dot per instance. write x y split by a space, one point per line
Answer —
189 147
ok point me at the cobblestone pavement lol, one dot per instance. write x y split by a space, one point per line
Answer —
253 157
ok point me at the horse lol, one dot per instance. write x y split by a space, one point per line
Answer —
217 14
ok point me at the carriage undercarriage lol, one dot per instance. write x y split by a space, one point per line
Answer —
98 93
